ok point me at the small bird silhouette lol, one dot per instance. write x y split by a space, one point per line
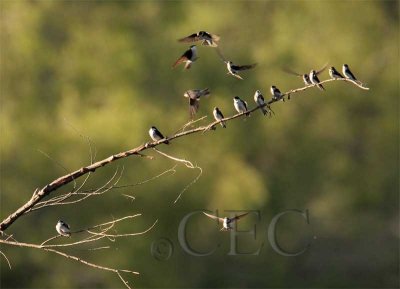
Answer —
156 135
219 116
63 228
188 57
194 96
226 222
208 39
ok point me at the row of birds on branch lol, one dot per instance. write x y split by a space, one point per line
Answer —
241 106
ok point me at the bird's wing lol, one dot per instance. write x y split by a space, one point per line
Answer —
205 92
288 70
191 38
215 37
322 69
240 216
243 67
213 217
193 107
67 226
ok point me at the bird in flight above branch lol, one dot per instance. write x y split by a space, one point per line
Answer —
226 222
208 39
233 69
188 57
194 98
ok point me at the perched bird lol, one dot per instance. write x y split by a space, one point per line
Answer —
63 228
346 71
188 57
305 76
219 116
314 79
334 74
156 135
233 69
194 98
226 222
240 105
276 94
207 38
259 100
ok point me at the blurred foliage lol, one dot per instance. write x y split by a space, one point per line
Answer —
77 69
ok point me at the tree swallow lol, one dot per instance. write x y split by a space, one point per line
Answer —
306 78
314 79
276 94
334 74
240 105
207 38
259 100
194 98
156 135
63 228
226 222
233 69
219 116
346 71
188 57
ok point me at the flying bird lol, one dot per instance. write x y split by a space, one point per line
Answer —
276 94
194 98
259 100
188 57
334 74
240 105
219 116
156 135
305 76
226 222
315 80
346 71
208 39
63 228
234 69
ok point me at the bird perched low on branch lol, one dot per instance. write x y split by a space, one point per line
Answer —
276 93
156 135
315 80
259 100
346 71
334 74
305 76
240 105
63 228
219 116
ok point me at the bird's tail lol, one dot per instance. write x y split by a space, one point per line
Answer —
179 61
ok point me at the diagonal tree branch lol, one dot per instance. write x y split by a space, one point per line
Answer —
66 179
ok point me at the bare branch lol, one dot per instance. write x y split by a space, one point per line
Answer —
66 179
5 257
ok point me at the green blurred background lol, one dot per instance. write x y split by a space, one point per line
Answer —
103 70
